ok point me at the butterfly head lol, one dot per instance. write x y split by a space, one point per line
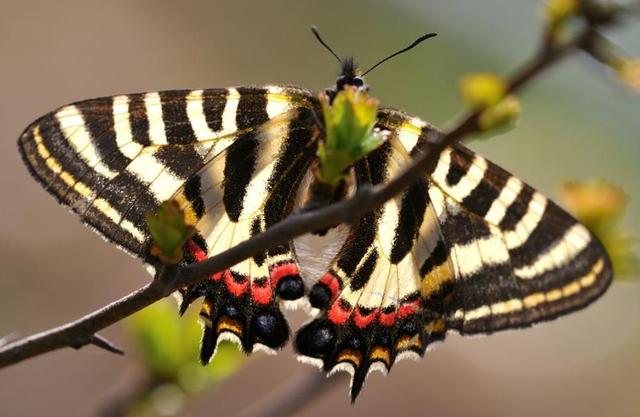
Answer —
349 76
349 73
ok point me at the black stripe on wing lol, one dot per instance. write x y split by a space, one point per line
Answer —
112 159
522 259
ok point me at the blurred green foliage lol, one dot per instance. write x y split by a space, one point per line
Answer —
556 14
486 92
601 206
167 347
628 70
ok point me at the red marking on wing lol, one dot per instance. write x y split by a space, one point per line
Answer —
261 292
331 281
200 255
388 319
338 314
363 320
408 309
235 288
283 270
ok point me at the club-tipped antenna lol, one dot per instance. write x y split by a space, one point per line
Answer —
314 29
414 44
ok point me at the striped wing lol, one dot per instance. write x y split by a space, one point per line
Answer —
469 248
233 159
114 159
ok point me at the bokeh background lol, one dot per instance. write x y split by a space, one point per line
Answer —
577 123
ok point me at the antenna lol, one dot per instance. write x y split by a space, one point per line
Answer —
314 29
415 43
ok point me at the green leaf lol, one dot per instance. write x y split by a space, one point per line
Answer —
167 345
349 123
169 230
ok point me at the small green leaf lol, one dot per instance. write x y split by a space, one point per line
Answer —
349 123
169 230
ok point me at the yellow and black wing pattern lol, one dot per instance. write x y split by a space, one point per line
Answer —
232 158
469 248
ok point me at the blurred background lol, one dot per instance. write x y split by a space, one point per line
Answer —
578 123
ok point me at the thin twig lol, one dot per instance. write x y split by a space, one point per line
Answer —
82 331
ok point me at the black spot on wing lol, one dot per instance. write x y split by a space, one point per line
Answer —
138 119
517 209
182 161
252 108
370 170
130 197
549 230
99 122
213 105
292 162
193 194
459 166
60 149
480 199
438 256
363 274
256 229
174 115
357 243
463 228
414 204
239 166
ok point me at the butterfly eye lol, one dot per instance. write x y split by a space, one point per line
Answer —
358 82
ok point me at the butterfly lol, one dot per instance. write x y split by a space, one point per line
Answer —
469 248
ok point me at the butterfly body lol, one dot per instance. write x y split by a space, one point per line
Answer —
468 248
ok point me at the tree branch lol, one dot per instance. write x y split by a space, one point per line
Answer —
83 331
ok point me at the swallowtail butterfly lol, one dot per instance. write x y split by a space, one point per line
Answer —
469 248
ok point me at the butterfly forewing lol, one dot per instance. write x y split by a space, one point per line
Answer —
114 159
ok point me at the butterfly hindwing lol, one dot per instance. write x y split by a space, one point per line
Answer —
246 189
372 310
529 261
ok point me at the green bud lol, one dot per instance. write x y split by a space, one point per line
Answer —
169 230
348 124
501 116
629 72
556 15
558 11
482 90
